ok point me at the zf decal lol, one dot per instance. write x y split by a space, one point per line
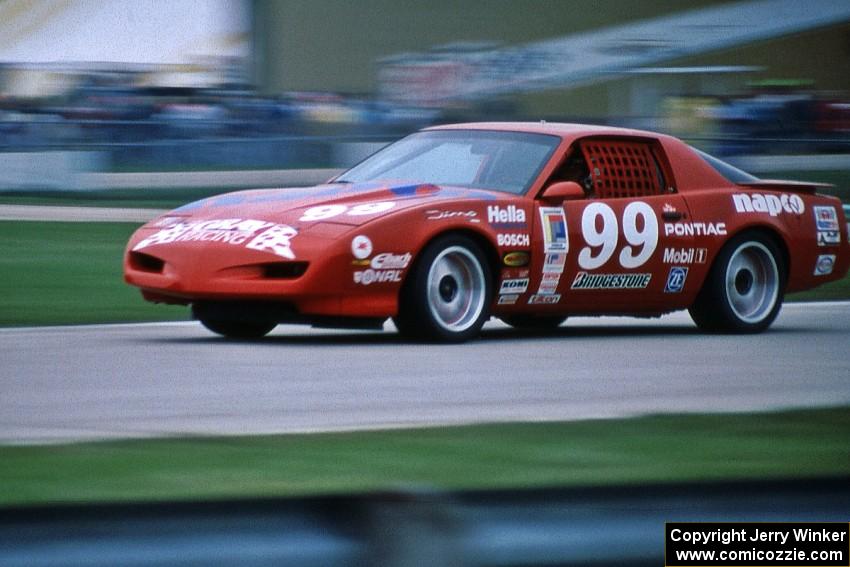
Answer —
676 280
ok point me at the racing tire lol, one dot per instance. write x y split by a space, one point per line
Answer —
745 287
529 322
238 329
446 296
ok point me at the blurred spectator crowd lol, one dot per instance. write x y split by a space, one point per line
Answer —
773 118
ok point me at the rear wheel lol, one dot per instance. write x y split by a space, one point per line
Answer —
744 289
534 322
238 329
447 294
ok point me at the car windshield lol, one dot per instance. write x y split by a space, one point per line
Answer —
502 161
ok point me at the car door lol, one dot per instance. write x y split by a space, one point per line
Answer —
621 248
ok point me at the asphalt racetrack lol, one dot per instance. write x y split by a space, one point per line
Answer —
116 381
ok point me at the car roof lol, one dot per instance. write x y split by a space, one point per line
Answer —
563 129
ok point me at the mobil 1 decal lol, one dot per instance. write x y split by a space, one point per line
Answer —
555 247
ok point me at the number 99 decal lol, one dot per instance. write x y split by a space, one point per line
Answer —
601 231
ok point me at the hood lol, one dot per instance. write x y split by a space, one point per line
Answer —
346 204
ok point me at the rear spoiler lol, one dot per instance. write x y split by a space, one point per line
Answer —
783 185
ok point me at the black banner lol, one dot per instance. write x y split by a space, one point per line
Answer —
822 544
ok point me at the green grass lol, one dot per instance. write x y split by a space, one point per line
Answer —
796 444
63 272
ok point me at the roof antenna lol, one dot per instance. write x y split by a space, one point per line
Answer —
542 122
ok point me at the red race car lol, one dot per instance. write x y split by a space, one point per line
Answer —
526 222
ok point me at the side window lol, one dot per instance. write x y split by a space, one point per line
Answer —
623 168
574 168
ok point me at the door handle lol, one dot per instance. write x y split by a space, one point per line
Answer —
672 215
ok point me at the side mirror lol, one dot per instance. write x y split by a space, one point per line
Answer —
563 191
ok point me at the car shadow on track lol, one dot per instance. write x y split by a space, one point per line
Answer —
488 335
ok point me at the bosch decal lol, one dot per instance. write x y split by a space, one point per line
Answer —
513 240
676 280
685 255
824 265
770 204
584 280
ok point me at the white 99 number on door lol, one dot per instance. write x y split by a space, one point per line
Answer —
601 232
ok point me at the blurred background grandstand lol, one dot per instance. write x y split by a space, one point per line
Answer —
90 86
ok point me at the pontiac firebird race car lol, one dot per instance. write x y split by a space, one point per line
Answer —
526 222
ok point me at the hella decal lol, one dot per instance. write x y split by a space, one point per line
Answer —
506 217
770 204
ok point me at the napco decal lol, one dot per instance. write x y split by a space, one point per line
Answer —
685 255
676 280
770 204
323 212
516 259
600 230
506 217
554 229
514 286
435 214
508 299
695 229
824 264
829 237
544 299
584 280
253 234
370 276
361 247
513 239
826 218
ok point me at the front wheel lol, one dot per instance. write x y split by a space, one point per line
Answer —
447 294
744 289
